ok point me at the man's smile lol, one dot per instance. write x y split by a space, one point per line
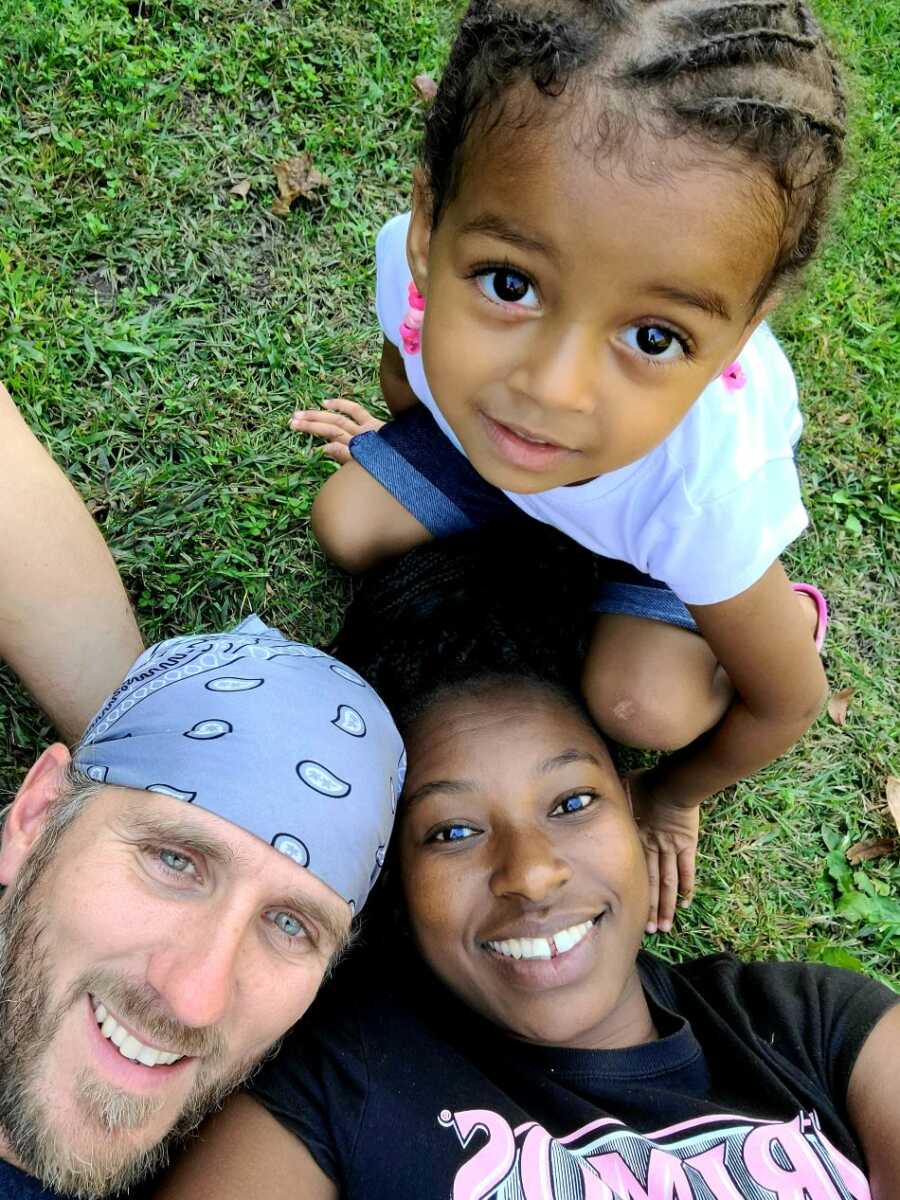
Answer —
131 1063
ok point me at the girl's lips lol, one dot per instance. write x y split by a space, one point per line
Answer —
520 451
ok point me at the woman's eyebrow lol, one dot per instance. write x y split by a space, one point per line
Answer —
565 759
457 787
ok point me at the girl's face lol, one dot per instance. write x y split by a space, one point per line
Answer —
522 869
575 314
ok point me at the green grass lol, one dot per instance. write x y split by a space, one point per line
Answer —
157 330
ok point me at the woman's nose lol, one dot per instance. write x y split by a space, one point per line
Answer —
529 866
560 372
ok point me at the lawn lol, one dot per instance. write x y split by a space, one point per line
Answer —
158 323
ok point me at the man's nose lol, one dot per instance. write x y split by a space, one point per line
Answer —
529 866
560 371
196 972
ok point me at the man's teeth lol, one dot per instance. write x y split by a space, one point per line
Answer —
126 1043
543 947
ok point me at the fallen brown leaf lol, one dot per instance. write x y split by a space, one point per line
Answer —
862 851
892 793
838 705
297 177
426 88
241 188
843 419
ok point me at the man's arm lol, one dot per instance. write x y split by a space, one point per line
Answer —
244 1152
66 627
872 1101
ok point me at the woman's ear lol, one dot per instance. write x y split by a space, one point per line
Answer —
28 813
418 239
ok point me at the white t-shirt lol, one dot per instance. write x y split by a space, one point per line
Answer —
708 510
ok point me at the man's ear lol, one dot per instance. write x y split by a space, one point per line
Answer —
28 813
418 239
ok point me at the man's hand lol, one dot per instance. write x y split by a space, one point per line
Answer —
669 833
337 423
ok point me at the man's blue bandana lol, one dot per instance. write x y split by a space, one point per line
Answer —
274 736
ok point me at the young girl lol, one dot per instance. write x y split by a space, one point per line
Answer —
612 197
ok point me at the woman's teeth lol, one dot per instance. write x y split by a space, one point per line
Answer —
543 947
126 1043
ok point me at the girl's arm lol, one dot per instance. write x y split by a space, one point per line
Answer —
244 1152
763 641
872 1105
66 627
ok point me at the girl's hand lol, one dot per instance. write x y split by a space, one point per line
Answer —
340 421
669 833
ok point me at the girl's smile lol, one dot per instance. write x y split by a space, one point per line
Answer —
574 312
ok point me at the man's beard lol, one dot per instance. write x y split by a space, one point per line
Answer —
91 1156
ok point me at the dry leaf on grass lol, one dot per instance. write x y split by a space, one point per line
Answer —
297 177
843 419
838 705
862 851
892 794
241 188
426 88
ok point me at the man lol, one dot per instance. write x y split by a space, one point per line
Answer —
175 894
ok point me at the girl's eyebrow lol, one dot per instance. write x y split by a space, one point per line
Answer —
499 227
707 301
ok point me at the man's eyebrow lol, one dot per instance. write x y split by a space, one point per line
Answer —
183 833
456 787
706 300
565 758
499 227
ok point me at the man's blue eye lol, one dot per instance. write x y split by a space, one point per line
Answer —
288 924
174 861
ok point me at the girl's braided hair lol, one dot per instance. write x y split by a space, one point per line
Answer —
469 612
754 75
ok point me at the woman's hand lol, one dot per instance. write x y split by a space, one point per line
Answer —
669 833
338 422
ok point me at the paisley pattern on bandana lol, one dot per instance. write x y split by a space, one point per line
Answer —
274 736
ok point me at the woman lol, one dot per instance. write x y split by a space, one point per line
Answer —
504 1036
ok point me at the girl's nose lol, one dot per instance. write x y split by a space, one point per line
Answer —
528 866
560 371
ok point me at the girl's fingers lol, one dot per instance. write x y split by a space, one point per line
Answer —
350 408
668 889
652 856
686 875
336 451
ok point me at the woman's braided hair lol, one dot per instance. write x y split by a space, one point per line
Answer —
756 76
469 612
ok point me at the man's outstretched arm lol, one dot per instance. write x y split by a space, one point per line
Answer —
66 626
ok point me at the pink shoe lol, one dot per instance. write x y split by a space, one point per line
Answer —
821 604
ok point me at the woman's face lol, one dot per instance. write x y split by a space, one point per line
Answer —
522 869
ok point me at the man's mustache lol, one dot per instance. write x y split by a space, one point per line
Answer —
141 1007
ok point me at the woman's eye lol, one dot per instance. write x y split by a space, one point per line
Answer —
173 861
453 833
506 286
656 342
288 924
573 804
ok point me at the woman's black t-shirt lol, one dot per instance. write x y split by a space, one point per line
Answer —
402 1093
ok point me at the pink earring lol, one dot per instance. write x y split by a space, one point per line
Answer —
411 325
733 377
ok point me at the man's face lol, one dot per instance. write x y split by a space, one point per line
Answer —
147 962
